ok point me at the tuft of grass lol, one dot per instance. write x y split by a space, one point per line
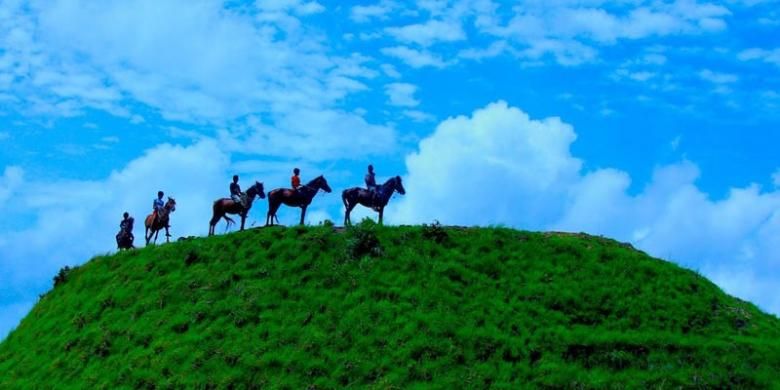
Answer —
389 307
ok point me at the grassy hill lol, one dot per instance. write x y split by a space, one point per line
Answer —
389 307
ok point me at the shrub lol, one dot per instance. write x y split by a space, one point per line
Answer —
363 241
62 276
435 232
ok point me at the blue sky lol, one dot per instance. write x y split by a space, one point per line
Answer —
651 122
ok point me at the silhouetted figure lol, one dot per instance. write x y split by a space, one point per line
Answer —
125 237
294 198
235 193
371 186
376 200
157 205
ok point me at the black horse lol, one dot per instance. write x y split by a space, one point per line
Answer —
225 206
124 240
356 195
294 198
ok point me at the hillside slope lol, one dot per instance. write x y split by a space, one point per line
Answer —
387 307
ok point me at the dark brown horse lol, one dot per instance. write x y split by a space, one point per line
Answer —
356 195
153 226
300 198
228 206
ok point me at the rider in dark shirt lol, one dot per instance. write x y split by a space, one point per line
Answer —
235 192
372 187
126 226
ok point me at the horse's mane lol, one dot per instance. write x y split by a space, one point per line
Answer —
314 180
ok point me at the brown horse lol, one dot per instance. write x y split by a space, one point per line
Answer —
153 226
377 201
300 198
228 206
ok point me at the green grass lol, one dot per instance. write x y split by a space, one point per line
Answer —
389 307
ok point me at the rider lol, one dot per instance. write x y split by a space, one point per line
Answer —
158 205
295 180
235 192
126 226
371 186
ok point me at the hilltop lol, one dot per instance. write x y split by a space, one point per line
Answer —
389 307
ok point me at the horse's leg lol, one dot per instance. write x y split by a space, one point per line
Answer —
243 219
167 234
303 213
347 219
381 213
147 235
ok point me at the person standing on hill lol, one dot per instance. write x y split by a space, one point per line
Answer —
235 192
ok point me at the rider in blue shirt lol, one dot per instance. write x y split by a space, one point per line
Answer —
158 205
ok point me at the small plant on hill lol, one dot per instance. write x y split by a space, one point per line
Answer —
435 232
62 276
363 241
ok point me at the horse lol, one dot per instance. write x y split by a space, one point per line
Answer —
124 240
294 198
356 195
228 206
153 226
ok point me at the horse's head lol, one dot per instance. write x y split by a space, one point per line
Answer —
171 204
321 184
259 189
399 186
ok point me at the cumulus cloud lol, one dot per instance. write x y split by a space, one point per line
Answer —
74 220
503 167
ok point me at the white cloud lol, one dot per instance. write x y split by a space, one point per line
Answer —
428 33
419 116
197 63
496 48
365 13
415 58
570 32
718 78
401 94
73 220
755 54
390 71
10 182
293 135
519 171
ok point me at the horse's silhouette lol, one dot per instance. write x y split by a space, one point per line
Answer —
356 195
294 198
124 240
225 206
154 225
